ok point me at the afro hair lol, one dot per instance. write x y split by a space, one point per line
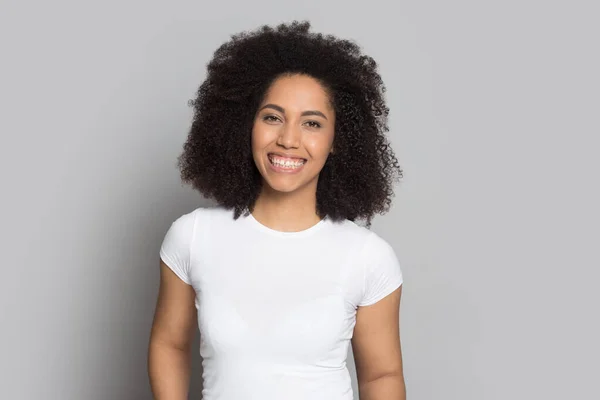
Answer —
356 181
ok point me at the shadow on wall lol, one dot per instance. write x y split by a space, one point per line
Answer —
122 240
131 284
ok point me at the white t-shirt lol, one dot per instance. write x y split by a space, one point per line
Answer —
276 310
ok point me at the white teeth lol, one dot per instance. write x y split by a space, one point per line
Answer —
286 163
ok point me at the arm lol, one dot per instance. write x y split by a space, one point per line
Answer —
377 351
173 329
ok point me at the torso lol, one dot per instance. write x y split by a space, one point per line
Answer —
276 311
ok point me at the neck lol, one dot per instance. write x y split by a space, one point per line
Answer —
286 212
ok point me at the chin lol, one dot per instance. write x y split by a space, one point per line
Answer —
282 187
285 182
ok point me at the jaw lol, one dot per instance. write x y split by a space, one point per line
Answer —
288 183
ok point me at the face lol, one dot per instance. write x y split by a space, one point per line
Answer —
293 134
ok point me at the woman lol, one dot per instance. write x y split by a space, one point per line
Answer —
288 139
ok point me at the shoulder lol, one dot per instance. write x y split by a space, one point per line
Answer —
185 239
202 216
382 270
372 248
367 240
184 228
350 230
377 245
375 268
362 244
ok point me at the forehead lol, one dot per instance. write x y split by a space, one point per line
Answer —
298 92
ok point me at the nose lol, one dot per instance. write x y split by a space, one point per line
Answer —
290 136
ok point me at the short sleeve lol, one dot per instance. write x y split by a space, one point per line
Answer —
382 273
176 245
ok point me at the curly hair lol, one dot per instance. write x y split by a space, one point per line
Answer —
356 181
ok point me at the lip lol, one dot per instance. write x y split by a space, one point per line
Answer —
285 155
277 169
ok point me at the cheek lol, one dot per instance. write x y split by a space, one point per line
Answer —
261 136
257 141
319 147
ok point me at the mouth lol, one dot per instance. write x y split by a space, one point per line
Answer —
286 164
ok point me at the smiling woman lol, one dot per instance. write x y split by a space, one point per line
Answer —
293 135
288 138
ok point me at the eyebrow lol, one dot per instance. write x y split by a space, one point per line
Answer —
281 110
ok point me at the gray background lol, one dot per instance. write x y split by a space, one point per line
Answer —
494 117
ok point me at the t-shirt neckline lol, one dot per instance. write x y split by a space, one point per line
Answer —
305 232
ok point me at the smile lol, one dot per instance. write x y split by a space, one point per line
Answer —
286 163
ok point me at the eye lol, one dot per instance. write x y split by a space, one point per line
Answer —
313 124
270 118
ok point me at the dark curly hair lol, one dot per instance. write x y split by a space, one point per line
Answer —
356 181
